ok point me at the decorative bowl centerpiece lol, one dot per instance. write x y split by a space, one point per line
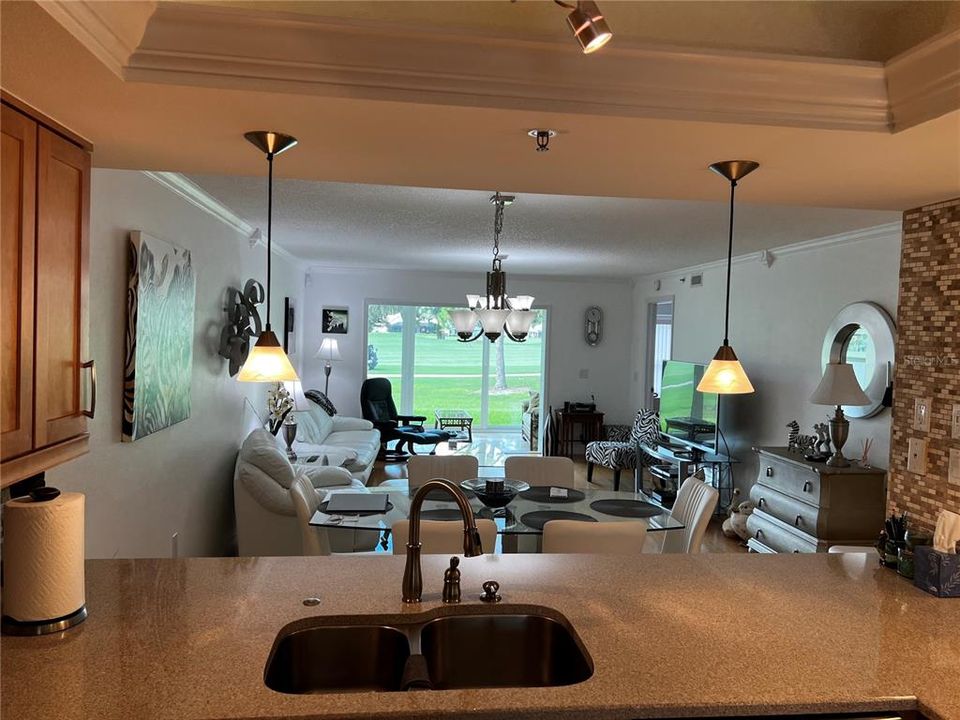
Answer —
495 492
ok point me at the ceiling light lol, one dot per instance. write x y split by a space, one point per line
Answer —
267 361
725 375
588 25
497 313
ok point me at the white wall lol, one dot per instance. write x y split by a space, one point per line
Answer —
608 364
179 479
778 317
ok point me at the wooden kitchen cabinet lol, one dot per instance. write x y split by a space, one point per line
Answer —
47 378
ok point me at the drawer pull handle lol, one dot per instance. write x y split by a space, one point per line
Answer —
796 552
769 471
91 364
758 533
807 486
798 521
760 502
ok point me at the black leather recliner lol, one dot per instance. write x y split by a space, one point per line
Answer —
377 406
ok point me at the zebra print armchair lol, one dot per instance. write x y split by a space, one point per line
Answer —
624 454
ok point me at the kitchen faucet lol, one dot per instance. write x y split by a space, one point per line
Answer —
412 574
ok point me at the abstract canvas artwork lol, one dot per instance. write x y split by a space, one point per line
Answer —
161 289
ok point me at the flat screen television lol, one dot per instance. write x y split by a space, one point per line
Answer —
686 415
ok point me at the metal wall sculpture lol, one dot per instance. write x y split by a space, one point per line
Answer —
243 323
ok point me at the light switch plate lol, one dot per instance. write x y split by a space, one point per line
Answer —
922 409
955 422
954 474
917 456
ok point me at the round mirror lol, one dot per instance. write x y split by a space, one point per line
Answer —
862 334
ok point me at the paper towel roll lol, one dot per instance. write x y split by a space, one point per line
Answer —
43 558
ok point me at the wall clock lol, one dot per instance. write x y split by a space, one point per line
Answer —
593 318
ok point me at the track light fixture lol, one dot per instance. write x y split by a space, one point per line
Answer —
588 25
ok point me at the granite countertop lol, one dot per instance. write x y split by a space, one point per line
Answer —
670 636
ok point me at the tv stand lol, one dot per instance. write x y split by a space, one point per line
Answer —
672 464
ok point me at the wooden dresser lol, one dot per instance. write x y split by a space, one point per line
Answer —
804 507
47 378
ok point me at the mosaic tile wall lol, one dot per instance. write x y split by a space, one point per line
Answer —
928 360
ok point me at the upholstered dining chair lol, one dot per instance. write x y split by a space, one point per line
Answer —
694 505
625 454
540 471
443 537
420 468
608 538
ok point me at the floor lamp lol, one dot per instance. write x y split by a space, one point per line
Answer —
329 352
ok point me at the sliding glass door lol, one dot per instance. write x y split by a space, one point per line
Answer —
416 347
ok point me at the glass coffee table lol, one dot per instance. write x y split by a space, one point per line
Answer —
459 419
524 516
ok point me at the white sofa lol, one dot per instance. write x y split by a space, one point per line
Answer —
266 516
346 442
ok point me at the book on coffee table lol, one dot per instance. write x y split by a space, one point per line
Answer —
357 502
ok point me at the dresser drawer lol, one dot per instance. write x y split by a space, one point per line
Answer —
776 536
795 481
803 516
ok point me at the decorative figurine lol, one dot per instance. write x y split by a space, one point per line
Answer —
792 440
807 444
736 524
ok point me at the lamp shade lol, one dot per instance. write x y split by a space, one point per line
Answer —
267 362
521 302
725 375
295 388
492 322
329 350
839 386
519 322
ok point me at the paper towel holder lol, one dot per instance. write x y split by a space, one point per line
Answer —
9 626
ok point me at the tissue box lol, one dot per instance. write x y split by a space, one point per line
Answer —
936 572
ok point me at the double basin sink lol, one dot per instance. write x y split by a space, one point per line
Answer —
448 648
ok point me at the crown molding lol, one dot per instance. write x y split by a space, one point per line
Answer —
203 45
924 82
198 197
871 234
110 30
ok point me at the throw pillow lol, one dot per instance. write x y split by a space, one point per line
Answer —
322 400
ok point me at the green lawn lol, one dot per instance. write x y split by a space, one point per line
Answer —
450 357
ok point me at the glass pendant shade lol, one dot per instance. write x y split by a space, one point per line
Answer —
464 321
475 301
519 322
492 322
267 362
521 302
725 375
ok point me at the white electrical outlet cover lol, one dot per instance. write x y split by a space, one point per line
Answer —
922 409
917 456
955 422
954 473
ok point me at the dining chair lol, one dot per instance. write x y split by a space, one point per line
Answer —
455 468
540 471
694 505
443 537
608 538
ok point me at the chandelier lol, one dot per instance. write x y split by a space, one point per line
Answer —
496 313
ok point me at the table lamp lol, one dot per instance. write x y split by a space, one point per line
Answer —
300 404
839 387
330 352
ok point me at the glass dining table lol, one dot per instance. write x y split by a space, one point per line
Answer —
524 516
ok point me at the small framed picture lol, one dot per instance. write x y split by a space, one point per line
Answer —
336 321
289 335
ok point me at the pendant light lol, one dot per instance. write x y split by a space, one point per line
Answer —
497 313
725 375
267 361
